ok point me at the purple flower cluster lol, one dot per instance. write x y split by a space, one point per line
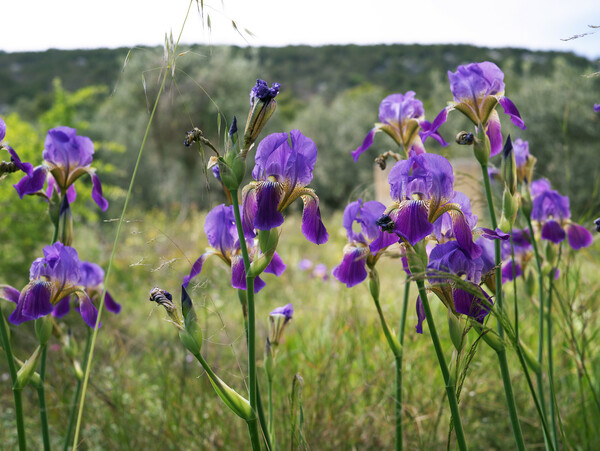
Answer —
364 247
67 156
551 212
402 117
284 165
477 89
223 240
54 278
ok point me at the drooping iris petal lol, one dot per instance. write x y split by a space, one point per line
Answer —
196 268
9 293
111 305
352 270
367 142
36 301
431 129
411 221
579 237
511 110
464 235
267 200
511 270
238 275
312 225
552 231
450 257
88 310
32 183
276 266
62 308
220 228
27 168
470 304
97 193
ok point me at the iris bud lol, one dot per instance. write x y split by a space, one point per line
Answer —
481 146
457 328
43 328
191 336
509 166
26 372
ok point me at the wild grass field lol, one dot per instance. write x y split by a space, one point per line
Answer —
146 392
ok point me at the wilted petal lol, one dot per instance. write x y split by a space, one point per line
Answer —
513 113
276 266
312 226
552 231
367 142
578 236
352 270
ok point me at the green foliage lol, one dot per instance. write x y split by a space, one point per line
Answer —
24 224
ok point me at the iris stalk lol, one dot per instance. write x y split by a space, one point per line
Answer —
450 384
252 382
17 393
396 349
399 431
510 398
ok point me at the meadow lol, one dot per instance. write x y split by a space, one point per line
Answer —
334 385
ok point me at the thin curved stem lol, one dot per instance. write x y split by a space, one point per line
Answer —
450 384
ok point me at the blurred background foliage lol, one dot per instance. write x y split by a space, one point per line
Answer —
332 94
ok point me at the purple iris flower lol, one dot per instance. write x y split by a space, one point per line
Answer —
287 311
552 213
284 165
596 107
477 89
27 168
53 278
67 157
365 246
223 240
522 250
261 91
422 190
449 263
402 117
91 277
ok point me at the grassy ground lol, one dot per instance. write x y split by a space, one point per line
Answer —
146 392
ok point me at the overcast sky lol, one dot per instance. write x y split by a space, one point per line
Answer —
70 24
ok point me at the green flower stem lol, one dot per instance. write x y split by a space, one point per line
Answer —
396 349
450 383
252 379
538 262
270 406
42 400
399 401
508 391
552 412
17 393
76 395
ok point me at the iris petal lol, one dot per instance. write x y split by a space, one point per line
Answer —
312 225
579 236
